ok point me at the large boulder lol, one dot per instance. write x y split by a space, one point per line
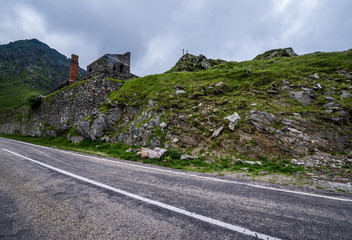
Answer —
192 63
149 153
275 53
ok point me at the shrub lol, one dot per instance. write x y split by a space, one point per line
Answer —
174 154
34 101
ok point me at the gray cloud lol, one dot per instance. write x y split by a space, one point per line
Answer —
156 31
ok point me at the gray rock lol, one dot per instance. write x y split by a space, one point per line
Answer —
218 84
285 52
149 153
233 119
179 87
77 139
252 163
315 76
163 125
261 120
83 129
180 92
329 98
217 132
332 105
345 73
205 63
105 139
302 96
272 91
346 94
186 157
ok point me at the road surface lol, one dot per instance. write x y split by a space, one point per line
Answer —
46 193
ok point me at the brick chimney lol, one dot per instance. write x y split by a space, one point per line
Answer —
73 76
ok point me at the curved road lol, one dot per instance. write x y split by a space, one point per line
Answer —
46 193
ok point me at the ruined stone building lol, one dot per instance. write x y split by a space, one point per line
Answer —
111 65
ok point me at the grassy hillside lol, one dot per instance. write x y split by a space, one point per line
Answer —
247 85
29 67
305 103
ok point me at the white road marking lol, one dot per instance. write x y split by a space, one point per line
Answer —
150 201
192 175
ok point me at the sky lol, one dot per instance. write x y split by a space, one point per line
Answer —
157 31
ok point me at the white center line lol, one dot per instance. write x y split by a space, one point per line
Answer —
193 175
150 201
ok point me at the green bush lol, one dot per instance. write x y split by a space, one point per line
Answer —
34 101
174 154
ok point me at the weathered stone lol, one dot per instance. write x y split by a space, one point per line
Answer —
179 87
252 163
76 139
105 139
345 73
302 96
217 132
186 157
163 125
205 63
219 84
190 63
272 91
285 52
346 94
189 141
149 153
233 119
329 98
111 65
83 128
332 105
261 120
177 92
315 76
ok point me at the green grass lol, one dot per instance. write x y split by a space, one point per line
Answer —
14 97
241 78
171 160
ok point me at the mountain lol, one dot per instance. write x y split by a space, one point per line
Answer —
279 113
29 67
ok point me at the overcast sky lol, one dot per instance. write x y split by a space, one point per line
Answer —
156 31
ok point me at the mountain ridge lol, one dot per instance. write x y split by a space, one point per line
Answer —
29 67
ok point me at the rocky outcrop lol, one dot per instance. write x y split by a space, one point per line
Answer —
191 63
296 135
275 53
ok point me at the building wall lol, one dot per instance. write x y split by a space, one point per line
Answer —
111 65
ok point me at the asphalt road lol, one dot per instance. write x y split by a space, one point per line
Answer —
47 193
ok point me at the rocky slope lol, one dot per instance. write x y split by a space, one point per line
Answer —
29 67
293 109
